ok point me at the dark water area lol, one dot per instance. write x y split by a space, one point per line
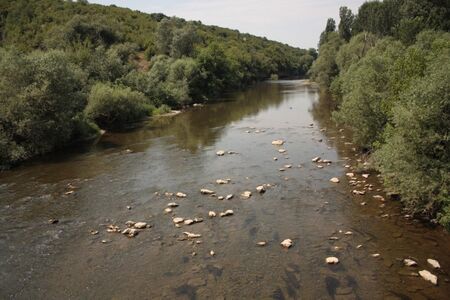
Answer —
39 260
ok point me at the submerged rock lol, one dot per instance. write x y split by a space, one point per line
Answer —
130 232
206 192
222 181
409 262
332 260
434 263
192 235
172 204
261 244
229 196
356 192
228 212
428 276
181 195
220 153
277 142
140 225
211 214
168 210
282 150
315 159
261 189
178 220
246 194
287 243
335 180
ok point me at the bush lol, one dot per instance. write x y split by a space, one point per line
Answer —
40 95
112 106
415 159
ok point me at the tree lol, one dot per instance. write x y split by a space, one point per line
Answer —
330 27
346 23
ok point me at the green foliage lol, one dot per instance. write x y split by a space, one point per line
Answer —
330 27
415 160
128 62
41 94
112 106
394 92
325 68
346 23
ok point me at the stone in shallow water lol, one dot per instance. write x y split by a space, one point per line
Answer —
140 225
334 180
277 142
181 195
206 192
434 263
261 244
220 153
287 243
228 212
261 189
315 159
172 204
428 276
192 235
230 196
246 194
211 214
332 260
178 220
409 262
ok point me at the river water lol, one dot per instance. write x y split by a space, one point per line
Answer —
39 260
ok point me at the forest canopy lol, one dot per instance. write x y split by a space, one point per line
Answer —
70 67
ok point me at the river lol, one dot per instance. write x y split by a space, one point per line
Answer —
88 188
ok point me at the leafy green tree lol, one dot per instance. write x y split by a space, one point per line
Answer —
330 27
346 23
112 106
40 96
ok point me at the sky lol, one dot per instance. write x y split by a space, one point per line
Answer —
294 22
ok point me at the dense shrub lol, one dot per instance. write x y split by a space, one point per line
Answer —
40 96
113 106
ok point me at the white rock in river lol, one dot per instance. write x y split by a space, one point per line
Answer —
428 276
288 166
350 174
246 194
221 181
332 260
409 262
140 225
192 235
287 243
211 214
168 210
228 212
365 175
178 220
181 195
434 263
189 222
278 142
230 196
220 153
130 232
206 192
172 204
261 189
261 244
334 180
315 159
282 150
212 253
220 198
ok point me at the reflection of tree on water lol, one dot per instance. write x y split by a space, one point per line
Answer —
200 127
321 112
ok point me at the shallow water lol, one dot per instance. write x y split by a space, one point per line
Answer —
170 154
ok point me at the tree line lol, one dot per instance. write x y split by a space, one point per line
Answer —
69 68
388 70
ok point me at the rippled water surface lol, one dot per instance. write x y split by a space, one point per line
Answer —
39 260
